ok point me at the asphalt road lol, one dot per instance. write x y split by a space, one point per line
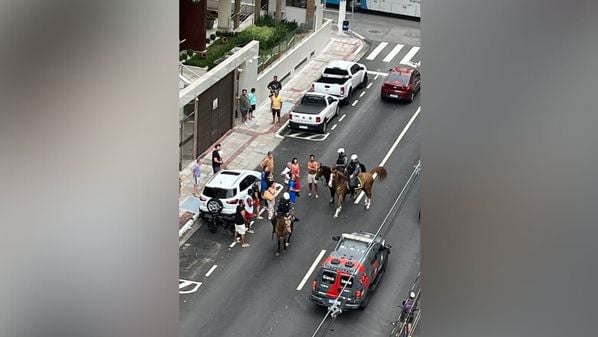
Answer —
252 292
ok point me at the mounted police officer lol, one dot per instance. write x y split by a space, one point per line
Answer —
352 171
341 161
285 208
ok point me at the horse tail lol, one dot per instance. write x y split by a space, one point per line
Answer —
380 171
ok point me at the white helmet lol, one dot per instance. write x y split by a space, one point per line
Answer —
286 196
340 150
354 157
412 294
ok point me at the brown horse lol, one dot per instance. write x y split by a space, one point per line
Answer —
324 172
283 229
342 187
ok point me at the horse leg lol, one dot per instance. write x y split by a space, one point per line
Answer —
331 195
278 242
339 204
368 198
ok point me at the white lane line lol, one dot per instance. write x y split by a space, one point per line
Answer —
409 55
333 127
376 50
362 93
369 85
211 270
342 117
393 52
377 73
393 147
192 285
355 102
311 269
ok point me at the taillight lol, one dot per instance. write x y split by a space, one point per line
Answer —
313 285
358 294
232 202
202 198
342 90
318 119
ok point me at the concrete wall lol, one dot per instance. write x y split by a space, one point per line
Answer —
245 58
293 60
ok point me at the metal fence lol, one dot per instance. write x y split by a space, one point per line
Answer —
269 56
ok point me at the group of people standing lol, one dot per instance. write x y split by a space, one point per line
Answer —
248 102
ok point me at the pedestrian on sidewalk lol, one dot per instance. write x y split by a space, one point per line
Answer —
240 228
253 102
312 169
249 207
268 161
244 105
270 197
274 85
217 159
296 170
196 170
275 106
286 174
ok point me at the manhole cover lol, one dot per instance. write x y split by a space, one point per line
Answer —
373 31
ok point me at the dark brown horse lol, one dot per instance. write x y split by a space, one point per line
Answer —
325 172
339 180
283 229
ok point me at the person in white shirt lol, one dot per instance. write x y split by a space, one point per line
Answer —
286 174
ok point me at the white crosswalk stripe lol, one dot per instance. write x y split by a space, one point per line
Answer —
377 51
407 58
393 53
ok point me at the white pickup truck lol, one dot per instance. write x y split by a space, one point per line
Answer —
313 112
341 78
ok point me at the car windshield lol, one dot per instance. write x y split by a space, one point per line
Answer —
219 193
352 247
400 77
336 71
313 100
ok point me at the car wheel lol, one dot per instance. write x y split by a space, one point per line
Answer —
411 96
364 83
337 112
215 206
365 302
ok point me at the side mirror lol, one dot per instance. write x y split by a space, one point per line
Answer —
336 237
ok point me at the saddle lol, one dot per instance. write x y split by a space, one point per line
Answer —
357 186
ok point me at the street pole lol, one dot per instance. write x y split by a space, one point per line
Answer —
342 8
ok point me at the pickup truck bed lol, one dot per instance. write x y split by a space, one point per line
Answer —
311 109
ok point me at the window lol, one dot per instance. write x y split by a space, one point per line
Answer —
246 183
403 78
330 100
313 100
219 193
355 68
297 3
347 280
328 277
336 71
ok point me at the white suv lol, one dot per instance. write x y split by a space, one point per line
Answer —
225 188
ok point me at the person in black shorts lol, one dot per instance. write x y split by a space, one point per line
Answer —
275 85
216 159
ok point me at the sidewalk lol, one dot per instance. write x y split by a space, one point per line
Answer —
243 147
